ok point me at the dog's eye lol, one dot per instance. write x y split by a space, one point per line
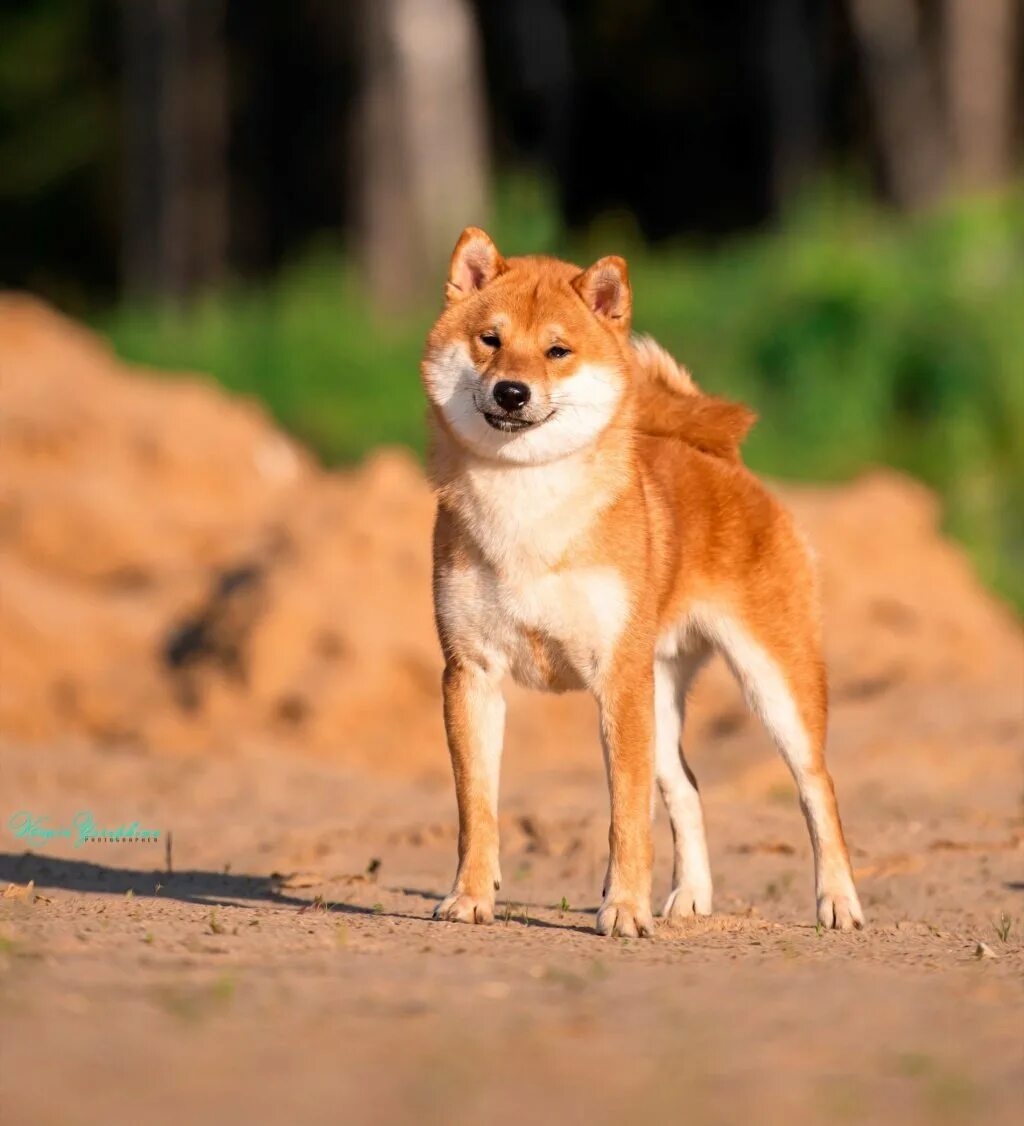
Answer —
491 339
557 352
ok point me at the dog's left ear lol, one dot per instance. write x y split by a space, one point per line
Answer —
604 288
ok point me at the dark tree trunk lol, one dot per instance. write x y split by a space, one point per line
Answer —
421 158
904 98
981 50
794 94
174 157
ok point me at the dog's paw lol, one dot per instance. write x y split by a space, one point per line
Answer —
840 910
624 918
458 908
685 901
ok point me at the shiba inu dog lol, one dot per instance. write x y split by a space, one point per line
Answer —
597 530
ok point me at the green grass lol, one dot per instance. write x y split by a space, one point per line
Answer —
861 339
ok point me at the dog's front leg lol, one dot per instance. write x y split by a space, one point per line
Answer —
627 732
474 718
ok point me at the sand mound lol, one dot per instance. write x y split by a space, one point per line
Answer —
175 574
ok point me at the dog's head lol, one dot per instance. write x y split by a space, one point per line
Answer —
526 363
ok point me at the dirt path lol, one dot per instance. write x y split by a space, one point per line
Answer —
218 992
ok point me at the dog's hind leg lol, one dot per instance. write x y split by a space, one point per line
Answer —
785 685
691 872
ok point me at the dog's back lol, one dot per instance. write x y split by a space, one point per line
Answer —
671 405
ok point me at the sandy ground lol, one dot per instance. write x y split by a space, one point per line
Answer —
203 632
221 991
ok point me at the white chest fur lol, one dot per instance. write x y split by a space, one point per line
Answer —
525 518
523 608
555 629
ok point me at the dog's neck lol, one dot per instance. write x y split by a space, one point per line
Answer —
529 517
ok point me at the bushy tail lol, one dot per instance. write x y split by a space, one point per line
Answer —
671 405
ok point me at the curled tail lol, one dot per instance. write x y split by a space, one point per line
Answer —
671 405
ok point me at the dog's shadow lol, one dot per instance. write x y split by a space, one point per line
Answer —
210 889
518 911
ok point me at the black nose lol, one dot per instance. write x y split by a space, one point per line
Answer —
511 395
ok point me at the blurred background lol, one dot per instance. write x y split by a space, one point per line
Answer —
215 610
820 201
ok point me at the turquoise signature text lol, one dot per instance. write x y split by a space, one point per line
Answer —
82 830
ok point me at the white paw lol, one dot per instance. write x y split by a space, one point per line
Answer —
624 919
840 910
458 908
685 901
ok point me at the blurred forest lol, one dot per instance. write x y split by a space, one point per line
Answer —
160 146
820 200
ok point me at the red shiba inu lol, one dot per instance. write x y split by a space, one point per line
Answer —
597 530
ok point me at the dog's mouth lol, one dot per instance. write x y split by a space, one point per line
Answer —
510 424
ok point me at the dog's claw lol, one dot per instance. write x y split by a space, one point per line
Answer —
685 902
840 911
458 908
622 919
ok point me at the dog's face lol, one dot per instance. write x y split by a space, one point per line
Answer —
525 365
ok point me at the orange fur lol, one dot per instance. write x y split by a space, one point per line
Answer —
606 535
670 405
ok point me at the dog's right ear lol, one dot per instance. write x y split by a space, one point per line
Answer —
475 263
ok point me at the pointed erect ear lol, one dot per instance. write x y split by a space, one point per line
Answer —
605 289
475 263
